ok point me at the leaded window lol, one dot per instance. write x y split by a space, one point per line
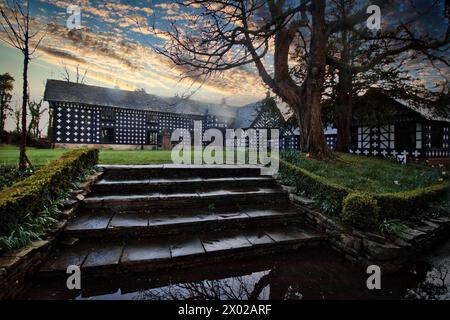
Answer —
108 115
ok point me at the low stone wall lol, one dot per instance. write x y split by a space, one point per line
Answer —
17 267
366 248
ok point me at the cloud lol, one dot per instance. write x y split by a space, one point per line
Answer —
110 48
61 54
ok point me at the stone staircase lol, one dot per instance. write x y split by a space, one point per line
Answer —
141 218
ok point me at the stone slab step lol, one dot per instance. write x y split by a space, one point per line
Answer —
186 199
126 172
112 187
172 252
127 225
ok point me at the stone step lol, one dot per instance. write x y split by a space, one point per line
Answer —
176 222
127 172
174 252
123 187
203 199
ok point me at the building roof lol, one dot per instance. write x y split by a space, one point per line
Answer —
427 112
63 91
380 104
246 115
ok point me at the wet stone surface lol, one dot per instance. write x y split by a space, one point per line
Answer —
309 274
145 251
286 234
225 242
101 256
89 222
129 220
258 238
64 258
187 247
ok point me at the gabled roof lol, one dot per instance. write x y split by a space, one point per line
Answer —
427 112
63 91
378 104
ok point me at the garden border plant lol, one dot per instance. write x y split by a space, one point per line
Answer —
28 208
364 210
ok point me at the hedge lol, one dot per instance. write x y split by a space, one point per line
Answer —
409 203
360 210
328 194
25 199
353 207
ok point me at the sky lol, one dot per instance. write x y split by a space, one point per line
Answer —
117 52
115 45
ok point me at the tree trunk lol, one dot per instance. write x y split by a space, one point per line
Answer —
23 159
344 109
304 101
312 131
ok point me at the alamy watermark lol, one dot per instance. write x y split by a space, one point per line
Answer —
251 146
73 281
74 20
374 21
374 280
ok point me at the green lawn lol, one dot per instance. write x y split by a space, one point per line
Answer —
134 156
355 172
369 174
9 155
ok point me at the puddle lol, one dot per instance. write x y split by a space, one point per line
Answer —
434 271
311 274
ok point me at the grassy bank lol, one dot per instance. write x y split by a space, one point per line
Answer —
366 174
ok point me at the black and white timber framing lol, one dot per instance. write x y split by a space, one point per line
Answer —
387 127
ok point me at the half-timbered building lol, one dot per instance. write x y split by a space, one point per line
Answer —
85 114
388 127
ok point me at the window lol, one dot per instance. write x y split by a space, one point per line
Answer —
107 135
437 136
152 119
405 136
152 137
108 115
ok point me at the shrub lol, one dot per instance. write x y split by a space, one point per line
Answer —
328 195
406 204
360 210
23 201
368 209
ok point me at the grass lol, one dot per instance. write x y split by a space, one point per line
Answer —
354 172
134 156
368 174
9 155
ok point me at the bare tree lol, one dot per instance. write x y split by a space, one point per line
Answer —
22 34
229 34
363 53
79 77
36 113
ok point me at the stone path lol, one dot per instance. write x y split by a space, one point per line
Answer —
152 217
